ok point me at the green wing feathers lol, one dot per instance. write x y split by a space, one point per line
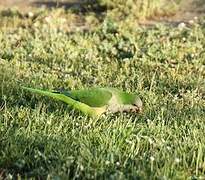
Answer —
94 97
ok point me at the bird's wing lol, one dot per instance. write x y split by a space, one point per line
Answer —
94 97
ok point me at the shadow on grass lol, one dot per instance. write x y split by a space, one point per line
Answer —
76 6
29 156
37 155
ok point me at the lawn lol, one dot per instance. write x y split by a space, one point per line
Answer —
41 138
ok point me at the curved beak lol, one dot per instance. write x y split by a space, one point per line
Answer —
140 110
137 109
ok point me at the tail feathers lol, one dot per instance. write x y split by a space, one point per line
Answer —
55 95
67 99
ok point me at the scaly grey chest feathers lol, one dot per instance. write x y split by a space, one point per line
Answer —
114 105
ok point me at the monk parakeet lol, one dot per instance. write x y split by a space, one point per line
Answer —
96 101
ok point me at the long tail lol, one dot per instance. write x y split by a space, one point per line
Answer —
71 102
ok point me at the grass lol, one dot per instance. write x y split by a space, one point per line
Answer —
42 138
139 8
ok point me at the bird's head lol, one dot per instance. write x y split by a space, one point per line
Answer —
137 105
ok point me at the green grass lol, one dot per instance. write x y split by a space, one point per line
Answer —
140 8
42 138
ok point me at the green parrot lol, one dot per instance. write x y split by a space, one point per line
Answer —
96 101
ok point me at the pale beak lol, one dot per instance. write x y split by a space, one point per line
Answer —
140 109
136 109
